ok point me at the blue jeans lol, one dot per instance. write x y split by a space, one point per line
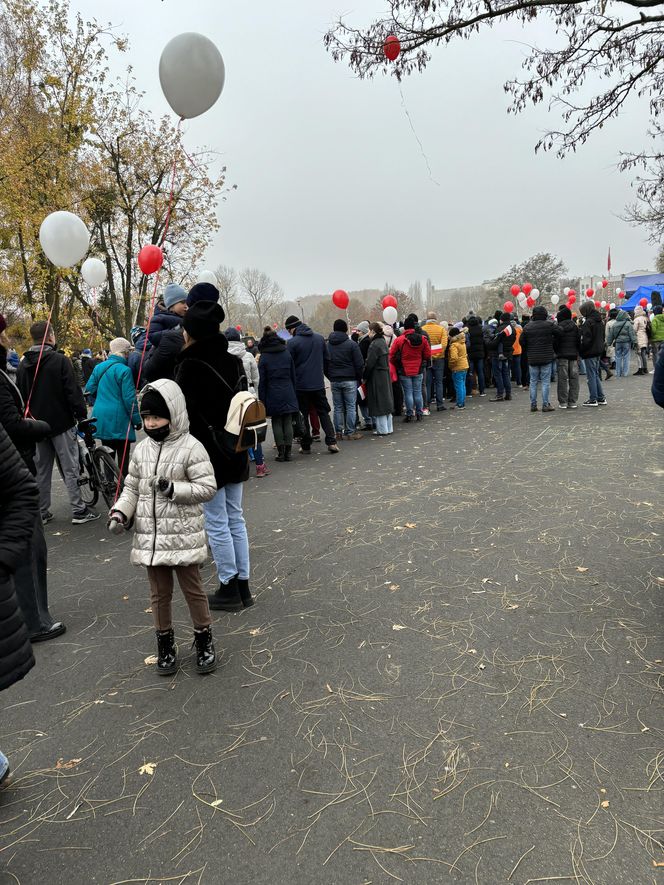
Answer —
537 374
459 379
477 366
582 367
595 389
501 375
435 376
516 367
623 349
344 400
383 424
227 533
412 393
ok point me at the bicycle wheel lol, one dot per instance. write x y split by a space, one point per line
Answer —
107 474
86 481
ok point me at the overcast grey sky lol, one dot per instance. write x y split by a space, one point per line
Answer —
333 191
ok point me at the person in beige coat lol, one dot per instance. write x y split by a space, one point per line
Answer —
170 478
642 340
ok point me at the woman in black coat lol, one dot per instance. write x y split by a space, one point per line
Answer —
209 377
276 389
19 508
476 351
378 382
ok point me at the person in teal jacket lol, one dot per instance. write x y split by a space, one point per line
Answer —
111 387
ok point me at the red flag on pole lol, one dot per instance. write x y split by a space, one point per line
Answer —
608 263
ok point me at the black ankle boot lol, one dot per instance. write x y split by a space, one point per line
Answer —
206 657
281 456
167 660
227 598
287 453
245 592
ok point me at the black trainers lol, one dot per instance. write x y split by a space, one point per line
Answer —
591 402
227 598
602 402
167 653
47 517
245 593
86 515
533 407
206 657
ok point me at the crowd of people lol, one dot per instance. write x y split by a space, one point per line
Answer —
176 380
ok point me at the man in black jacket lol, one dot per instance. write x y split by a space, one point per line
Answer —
500 346
537 341
30 578
48 386
19 507
592 348
344 370
567 345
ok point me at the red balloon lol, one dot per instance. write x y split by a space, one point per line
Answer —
389 301
275 325
622 295
598 304
392 49
530 301
150 259
527 288
571 292
238 328
643 302
605 283
515 290
571 297
590 292
508 306
341 299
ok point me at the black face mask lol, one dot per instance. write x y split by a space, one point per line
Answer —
159 434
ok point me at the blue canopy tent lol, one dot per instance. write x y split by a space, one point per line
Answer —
634 281
641 292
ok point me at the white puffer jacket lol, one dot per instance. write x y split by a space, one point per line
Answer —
641 326
249 363
168 531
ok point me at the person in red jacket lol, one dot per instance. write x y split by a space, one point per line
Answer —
409 354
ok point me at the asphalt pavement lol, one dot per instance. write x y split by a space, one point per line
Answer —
453 672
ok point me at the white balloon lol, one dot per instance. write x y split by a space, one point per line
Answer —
521 298
192 74
535 294
612 306
93 272
565 292
390 315
648 306
618 291
207 276
64 238
555 299
602 304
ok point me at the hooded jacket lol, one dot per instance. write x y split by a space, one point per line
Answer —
168 531
161 360
208 399
163 320
537 338
249 363
592 335
115 408
502 334
641 327
476 348
410 352
657 326
345 361
19 503
457 356
56 397
568 340
658 380
310 357
276 389
621 331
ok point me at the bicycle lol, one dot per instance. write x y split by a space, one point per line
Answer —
98 469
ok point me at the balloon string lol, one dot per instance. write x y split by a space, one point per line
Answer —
26 414
152 305
417 138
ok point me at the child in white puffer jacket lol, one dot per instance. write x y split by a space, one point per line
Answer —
170 477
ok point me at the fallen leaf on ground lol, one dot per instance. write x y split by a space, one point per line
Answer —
394 587
411 525
329 687
71 764
125 598
148 611
151 659
216 803
605 803
398 627
255 632
581 568
148 768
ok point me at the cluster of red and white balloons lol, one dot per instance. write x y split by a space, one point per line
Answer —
526 296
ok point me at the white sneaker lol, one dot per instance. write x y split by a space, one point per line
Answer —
562 407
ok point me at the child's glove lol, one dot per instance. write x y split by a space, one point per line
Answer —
163 486
116 523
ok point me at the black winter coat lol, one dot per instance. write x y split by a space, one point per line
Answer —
23 432
88 364
208 399
56 398
537 341
310 356
160 361
592 335
497 337
568 340
276 387
476 349
345 358
163 320
380 399
19 507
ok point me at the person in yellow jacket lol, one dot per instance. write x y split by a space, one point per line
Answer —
458 363
438 340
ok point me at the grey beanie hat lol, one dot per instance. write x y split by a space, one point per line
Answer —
174 294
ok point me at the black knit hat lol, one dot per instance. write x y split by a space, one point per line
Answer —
203 319
564 313
153 403
409 323
203 292
340 326
505 317
292 322
454 331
